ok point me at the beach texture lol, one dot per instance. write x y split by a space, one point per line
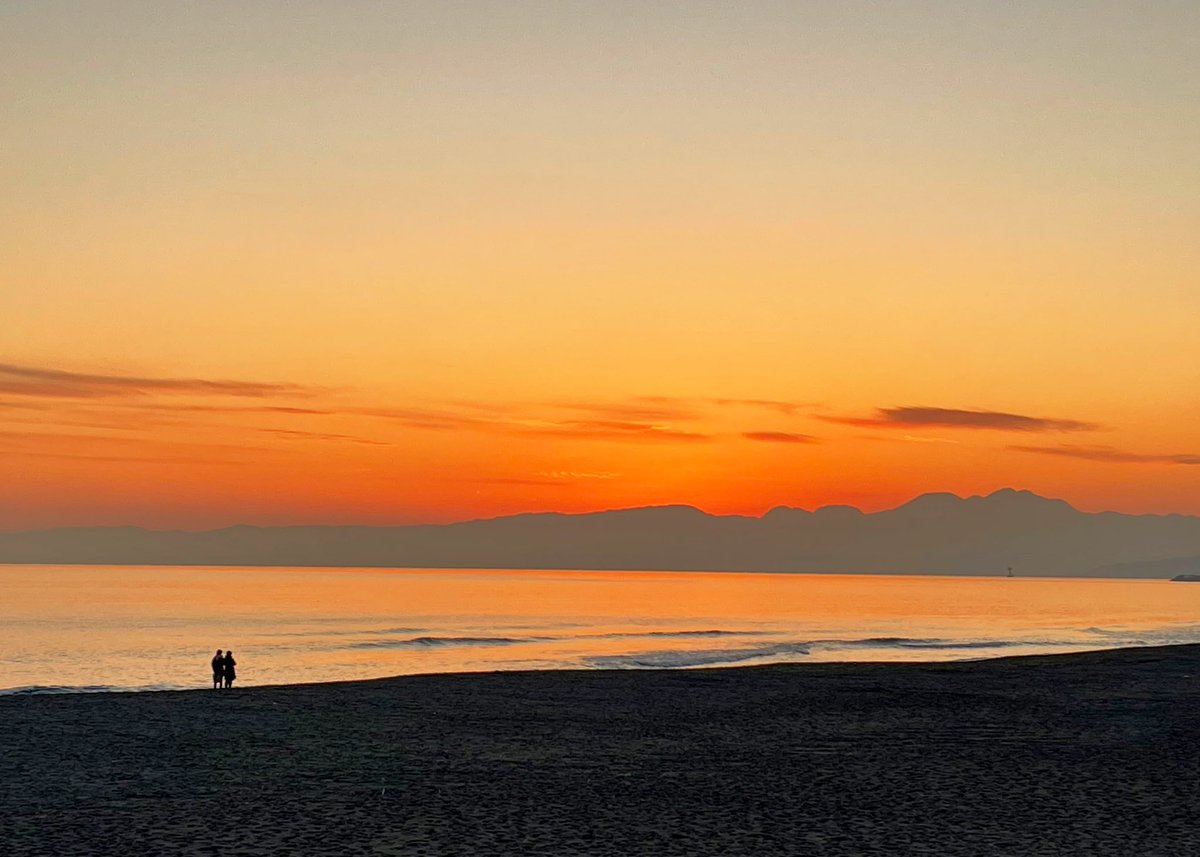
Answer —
1094 754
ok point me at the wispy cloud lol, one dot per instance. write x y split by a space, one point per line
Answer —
641 408
548 478
779 437
299 434
57 383
143 413
35 442
1111 455
538 423
922 417
434 419
138 459
574 474
786 408
172 407
137 403
542 482
611 430
912 438
23 405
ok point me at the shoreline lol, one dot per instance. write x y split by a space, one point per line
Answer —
92 690
1092 752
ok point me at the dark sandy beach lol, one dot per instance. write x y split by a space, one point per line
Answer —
1075 754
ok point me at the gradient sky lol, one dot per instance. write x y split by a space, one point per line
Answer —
385 263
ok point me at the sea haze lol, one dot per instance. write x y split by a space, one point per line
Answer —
96 628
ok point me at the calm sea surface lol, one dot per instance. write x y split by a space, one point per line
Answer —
108 627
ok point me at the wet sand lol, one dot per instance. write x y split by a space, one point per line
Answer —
1094 754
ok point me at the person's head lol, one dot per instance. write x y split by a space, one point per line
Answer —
218 651
229 654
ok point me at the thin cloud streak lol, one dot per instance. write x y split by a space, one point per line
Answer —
517 480
556 478
615 430
1111 455
777 405
138 415
648 419
788 409
422 418
56 383
926 417
136 459
298 434
573 474
235 409
912 438
639 409
779 437
21 440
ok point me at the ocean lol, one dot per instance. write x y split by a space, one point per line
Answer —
106 628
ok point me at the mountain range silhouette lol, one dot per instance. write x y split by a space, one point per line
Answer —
932 534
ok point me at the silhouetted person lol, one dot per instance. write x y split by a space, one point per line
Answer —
218 668
229 670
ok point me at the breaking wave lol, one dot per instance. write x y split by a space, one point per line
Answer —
695 658
434 642
917 643
793 651
51 689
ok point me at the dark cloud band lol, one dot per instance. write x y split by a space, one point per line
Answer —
926 417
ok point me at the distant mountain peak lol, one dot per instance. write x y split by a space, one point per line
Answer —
1006 493
665 509
1014 497
934 501
1002 501
782 511
840 510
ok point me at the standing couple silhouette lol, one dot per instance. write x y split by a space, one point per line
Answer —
224 669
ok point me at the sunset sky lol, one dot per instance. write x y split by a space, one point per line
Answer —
400 262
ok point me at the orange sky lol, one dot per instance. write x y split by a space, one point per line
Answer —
415 264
